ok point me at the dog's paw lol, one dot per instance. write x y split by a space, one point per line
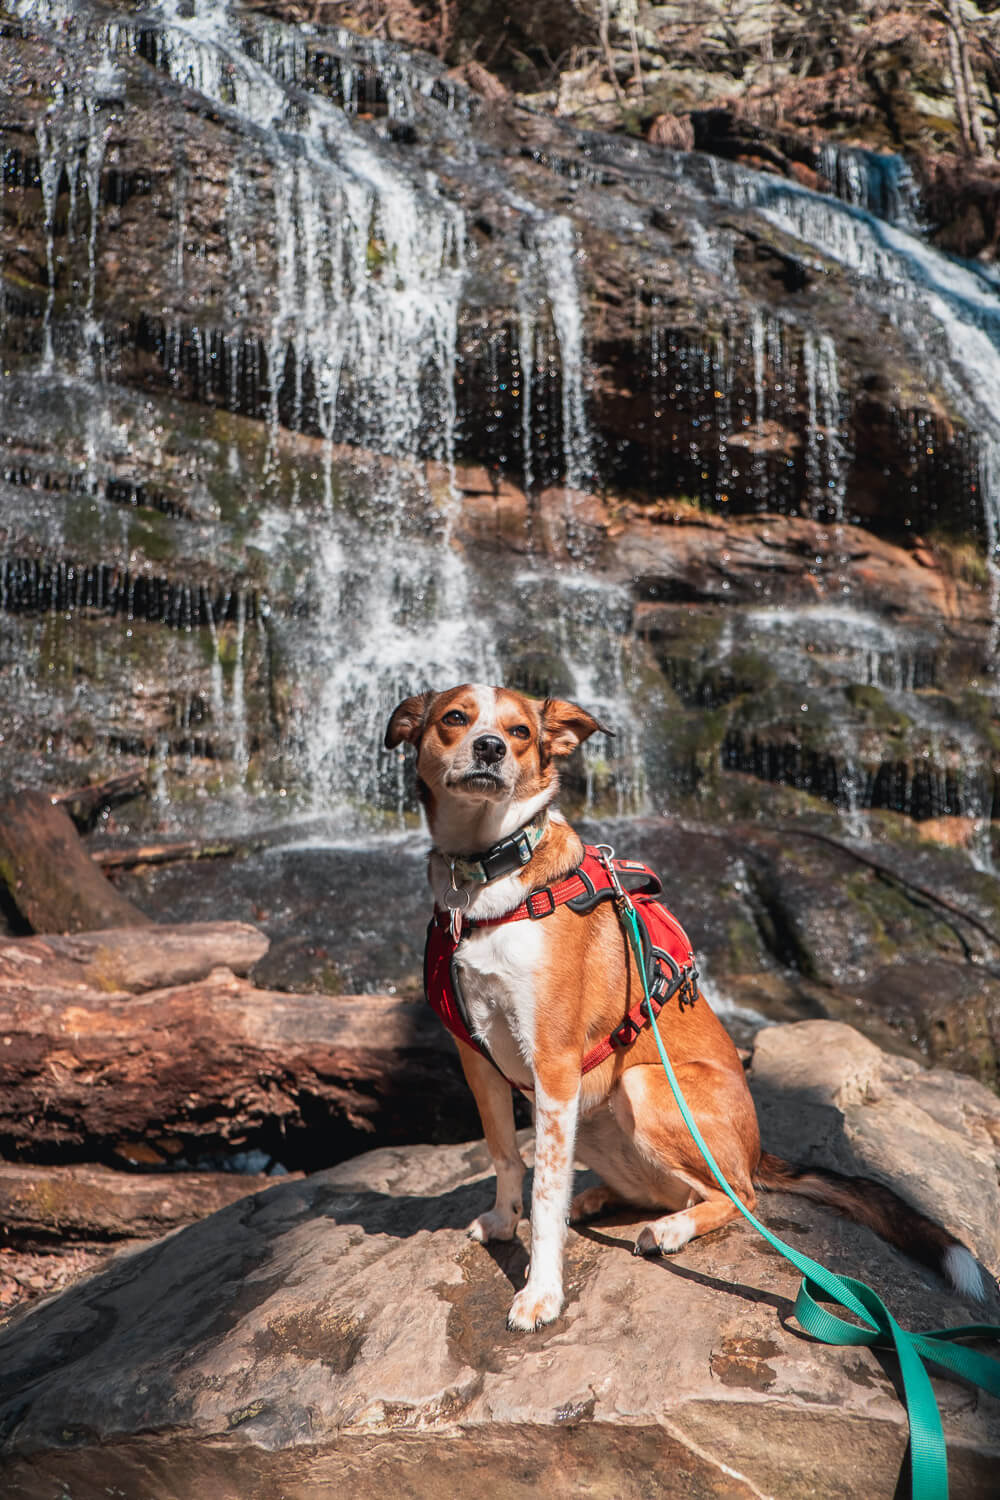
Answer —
493 1226
665 1236
590 1202
531 1309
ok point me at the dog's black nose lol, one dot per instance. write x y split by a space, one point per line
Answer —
489 748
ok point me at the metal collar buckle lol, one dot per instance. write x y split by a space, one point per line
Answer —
522 845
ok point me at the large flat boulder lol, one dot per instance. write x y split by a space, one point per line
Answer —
341 1333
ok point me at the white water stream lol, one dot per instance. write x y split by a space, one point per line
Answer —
369 266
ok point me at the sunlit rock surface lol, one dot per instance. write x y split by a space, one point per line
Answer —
342 1331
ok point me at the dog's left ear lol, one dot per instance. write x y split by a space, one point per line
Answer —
566 725
407 722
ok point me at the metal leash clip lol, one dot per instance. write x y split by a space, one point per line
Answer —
606 855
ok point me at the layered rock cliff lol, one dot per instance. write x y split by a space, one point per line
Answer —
344 354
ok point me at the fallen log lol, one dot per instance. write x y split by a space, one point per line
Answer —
220 1062
83 803
172 853
95 1204
51 879
130 958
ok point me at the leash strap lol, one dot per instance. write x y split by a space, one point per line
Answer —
928 1455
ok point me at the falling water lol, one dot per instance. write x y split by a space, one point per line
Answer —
827 458
554 244
881 184
341 310
72 137
361 343
588 622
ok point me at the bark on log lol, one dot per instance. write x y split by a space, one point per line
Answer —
130 958
221 1061
171 853
51 879
40 1204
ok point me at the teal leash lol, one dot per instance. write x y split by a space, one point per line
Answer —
928 1454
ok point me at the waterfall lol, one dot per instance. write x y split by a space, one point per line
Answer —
347 280
554 245
72 137
948 311
360 343
698 403
881 184
827 458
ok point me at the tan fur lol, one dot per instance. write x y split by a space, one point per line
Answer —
545 992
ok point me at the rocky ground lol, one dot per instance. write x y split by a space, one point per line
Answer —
343 1330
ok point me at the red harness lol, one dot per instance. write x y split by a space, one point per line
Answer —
667 953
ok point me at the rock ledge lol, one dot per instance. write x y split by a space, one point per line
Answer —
342 1331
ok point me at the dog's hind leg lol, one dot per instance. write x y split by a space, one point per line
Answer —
672 1232
496 1110
720 1102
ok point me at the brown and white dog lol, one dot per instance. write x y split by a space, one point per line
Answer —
539 994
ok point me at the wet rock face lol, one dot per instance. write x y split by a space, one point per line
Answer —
342 242
342 1329
332 375
898 938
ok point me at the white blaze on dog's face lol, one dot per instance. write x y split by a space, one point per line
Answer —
481 745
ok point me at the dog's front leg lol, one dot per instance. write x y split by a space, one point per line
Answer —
541 1298
496 1110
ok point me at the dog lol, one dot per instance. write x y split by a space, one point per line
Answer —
533 998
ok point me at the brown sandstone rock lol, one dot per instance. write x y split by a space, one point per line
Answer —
341 1332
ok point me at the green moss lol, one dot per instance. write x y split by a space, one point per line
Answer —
894 922
152 534
700 735
533 669
870 704
751 672
743 945
377 255
776 711
962 557
979 713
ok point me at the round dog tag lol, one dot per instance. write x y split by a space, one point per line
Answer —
455 899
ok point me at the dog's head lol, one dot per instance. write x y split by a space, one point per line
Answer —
479 744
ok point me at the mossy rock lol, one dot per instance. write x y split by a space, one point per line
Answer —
871 705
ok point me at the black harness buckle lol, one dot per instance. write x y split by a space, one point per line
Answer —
536 915
625 1034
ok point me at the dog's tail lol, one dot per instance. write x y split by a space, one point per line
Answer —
880 1209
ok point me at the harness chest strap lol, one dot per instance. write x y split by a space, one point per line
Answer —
668 957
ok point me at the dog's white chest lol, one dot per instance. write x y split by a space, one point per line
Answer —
498 969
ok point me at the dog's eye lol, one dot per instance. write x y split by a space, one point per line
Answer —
521 732
455 716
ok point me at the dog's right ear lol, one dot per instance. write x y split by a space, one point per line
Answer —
407 722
